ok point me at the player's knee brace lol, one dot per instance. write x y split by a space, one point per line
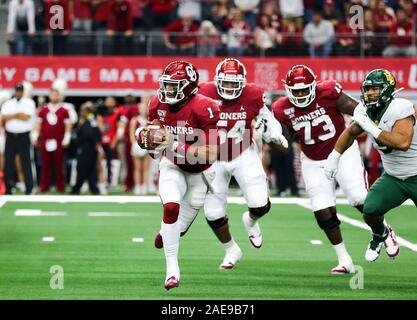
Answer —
327 222
259 212
171 212
216 224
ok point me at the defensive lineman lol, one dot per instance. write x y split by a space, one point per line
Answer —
391 123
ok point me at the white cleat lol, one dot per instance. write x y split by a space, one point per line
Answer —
344 267
253 229
373 251
231 258
172 282
391 245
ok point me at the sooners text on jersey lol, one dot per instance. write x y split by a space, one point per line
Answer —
195 123
235 124
319 125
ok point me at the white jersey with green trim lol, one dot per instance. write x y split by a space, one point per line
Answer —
397 163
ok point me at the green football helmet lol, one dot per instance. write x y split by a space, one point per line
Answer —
385 80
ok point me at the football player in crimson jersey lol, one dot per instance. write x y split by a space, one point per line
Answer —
240 103
313 111
188 145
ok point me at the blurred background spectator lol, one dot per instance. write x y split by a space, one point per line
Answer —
82 15
87 137
266 37
55 27
319 34
400 41
183 41
208 39
21 25
237 35
120 27
140 156
166 27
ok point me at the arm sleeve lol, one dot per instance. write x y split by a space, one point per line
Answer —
152 114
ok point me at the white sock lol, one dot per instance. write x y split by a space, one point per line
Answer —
186 217
251 220
171 238
230 245
341 252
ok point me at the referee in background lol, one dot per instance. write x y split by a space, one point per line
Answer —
18 117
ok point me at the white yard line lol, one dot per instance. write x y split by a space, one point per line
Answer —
37 213
403 242
144 199
303 202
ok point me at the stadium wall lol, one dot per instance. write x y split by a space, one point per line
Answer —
87 75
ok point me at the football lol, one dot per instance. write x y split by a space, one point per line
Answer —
146 138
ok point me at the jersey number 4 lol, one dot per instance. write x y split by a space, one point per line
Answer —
236 132
328 128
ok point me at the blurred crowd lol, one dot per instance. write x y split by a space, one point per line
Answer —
90 146
318 28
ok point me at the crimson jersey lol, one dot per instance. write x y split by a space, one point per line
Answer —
53 120
110 125
319 125
130 111
199 112
235 124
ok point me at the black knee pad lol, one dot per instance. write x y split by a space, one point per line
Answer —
259 212
216 224
327 223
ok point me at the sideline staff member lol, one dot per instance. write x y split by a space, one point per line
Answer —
18 117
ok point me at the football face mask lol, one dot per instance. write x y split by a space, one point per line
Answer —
300 85
171 91
230 78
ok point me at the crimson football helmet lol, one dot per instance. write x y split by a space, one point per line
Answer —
230 70
178 82
298 78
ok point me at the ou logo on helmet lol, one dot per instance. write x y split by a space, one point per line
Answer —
191 72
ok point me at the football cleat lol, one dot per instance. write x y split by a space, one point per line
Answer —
172 282
158 243
373 251
391 245
231 258
344 267
253 229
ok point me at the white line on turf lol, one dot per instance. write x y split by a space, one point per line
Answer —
362 225
37 213
316 242
48 239
145 199
117 214
2 202
138 240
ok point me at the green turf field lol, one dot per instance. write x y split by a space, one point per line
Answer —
100 261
